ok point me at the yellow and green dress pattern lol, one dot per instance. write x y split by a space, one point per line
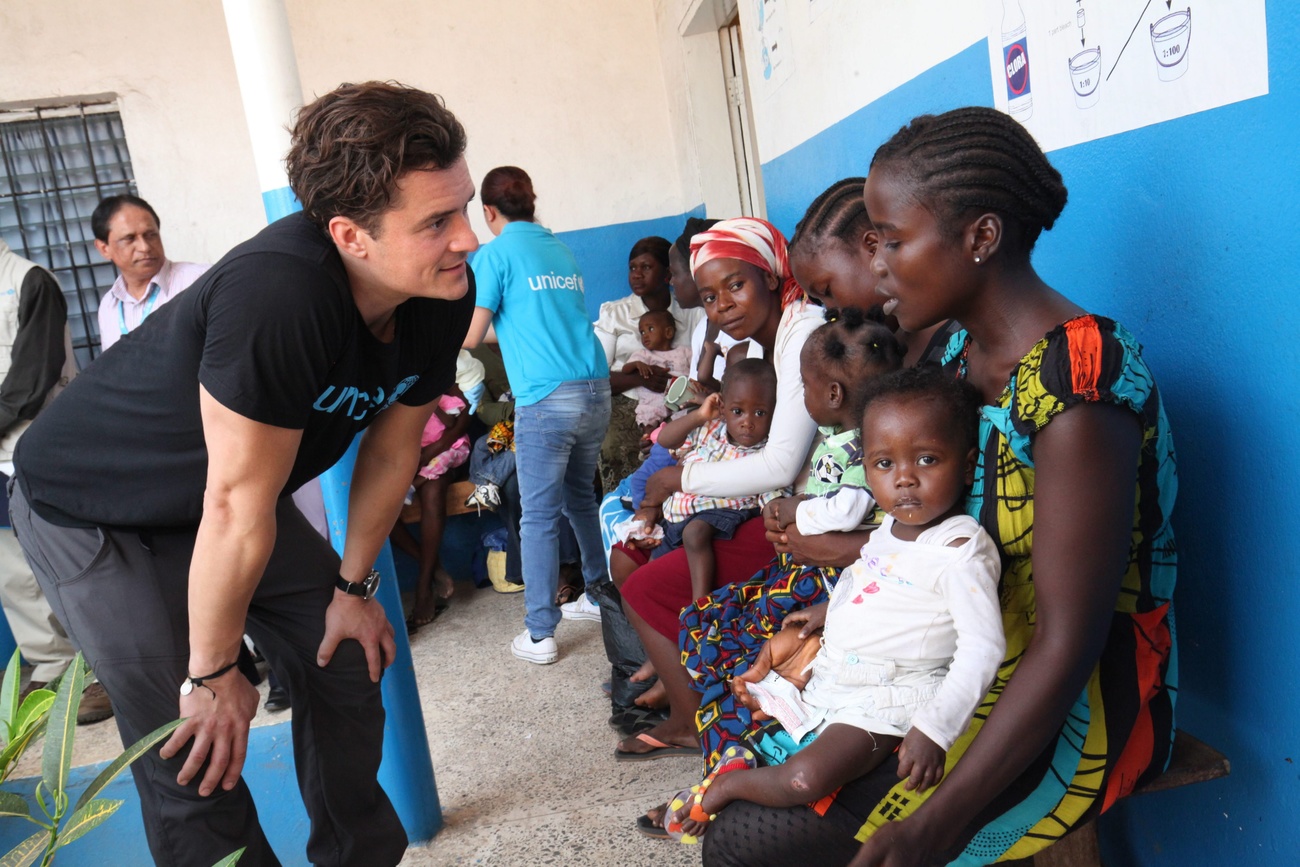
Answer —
1119 732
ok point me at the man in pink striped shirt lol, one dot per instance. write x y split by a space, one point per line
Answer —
126 234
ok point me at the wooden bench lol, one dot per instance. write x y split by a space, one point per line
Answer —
1191 762
455 503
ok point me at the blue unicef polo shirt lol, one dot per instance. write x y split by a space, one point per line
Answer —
532 284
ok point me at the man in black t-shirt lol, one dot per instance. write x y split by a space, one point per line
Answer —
152 497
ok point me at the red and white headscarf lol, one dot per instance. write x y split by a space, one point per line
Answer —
750 240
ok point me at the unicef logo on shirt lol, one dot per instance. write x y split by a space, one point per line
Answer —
572 282
358 404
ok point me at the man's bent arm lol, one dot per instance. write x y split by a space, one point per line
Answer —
248 466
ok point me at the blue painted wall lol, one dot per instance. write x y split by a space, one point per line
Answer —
602 253
1187 232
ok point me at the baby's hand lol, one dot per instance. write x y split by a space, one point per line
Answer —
809 619
920 761
711 408
642 369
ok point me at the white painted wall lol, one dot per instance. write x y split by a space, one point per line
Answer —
851 54
697 103
570 90
575 91
170 65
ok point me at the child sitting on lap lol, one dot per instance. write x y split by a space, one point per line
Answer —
728 425
658 328
913 630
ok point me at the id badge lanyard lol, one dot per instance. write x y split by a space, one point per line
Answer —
154 289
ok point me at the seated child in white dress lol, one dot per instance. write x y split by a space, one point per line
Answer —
658 328
913 630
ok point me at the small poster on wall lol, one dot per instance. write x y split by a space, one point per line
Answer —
776 59
1076 70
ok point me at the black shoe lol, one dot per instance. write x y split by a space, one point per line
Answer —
277 699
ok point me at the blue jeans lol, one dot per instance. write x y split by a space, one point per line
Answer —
557 445
488 466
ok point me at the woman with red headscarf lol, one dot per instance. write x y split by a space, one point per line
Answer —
743 272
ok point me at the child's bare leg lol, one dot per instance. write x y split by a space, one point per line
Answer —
697 539
620 566
839 754
432 520
403 541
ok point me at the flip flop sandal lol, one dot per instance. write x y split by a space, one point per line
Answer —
647 827
414 623
734 759
634 720
659 750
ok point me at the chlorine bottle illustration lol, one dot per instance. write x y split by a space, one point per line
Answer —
1015 59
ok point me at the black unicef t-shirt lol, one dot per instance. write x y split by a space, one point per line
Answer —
272 332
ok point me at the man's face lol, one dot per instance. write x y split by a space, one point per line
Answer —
134 244
420 244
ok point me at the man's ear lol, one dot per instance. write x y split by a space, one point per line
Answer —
489 213
102 248
349 237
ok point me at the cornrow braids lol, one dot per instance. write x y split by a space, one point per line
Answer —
855 347
838 213
978 160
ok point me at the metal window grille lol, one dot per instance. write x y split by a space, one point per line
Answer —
56 163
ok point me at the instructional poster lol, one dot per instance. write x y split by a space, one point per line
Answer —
776 61
1076 70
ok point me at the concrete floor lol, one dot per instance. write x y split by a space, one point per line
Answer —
522 753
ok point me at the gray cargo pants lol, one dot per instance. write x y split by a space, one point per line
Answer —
123 598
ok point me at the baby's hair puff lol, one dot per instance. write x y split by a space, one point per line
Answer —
852 340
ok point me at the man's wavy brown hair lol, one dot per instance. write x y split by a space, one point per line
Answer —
349 147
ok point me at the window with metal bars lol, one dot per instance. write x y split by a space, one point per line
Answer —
56 163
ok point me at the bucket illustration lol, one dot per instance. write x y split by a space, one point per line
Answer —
1085 75
1170 38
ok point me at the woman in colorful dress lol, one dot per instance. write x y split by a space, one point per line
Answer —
1075 481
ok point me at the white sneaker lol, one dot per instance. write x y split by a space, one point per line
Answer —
581 608
542 652
484 496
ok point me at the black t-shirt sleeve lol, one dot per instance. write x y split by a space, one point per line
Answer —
274 325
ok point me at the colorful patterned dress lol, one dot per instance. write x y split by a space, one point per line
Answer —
722 634
1119 732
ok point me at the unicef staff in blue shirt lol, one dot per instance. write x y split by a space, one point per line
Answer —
530 293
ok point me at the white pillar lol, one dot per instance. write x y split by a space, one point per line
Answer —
268 82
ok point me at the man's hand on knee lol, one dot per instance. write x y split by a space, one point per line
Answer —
217 715
364 621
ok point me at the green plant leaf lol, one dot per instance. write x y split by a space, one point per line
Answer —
14 805
84 819
34 708
129 755
232 859
26 852
10 754
56 755
9 692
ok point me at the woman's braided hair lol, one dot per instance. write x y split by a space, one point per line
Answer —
973 160
837 214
